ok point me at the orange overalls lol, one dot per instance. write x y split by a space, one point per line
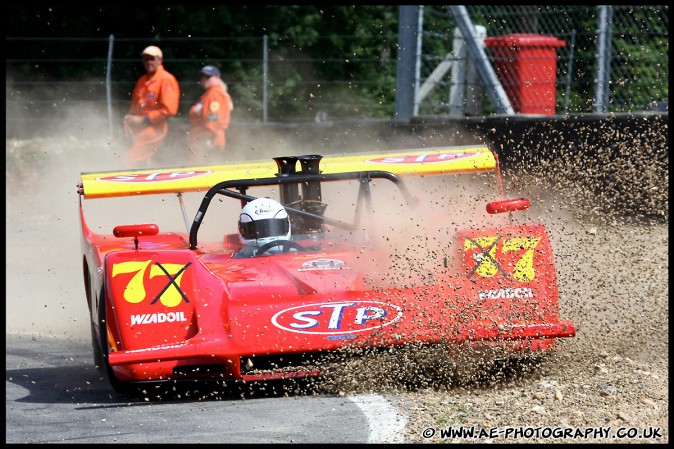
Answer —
156 97
209 118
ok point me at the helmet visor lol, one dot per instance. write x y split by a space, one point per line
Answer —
267 227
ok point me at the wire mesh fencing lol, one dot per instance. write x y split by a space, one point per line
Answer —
523 37
550 59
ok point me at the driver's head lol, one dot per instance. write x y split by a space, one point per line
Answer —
263 220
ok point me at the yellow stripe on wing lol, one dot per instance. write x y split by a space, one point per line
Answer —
429 161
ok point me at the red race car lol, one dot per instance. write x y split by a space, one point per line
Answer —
308 256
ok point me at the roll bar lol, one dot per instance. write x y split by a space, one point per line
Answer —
223 188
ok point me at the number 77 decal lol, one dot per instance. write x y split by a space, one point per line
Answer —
134 291
486 258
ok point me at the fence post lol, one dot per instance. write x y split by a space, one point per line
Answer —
417 62
603 58
108 83
466 92
569 71
406 61
265 76
474 90
457 90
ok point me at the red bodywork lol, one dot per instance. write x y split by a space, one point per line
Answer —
173 312
169 306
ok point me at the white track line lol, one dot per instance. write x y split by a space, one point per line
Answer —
386 424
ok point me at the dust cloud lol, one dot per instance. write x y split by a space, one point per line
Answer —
45 286
45 290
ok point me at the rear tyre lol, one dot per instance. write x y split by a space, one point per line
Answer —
119 386
96 347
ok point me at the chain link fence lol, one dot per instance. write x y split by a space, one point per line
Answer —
338 78
635 57
270 79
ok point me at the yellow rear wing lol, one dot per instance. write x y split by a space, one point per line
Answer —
428 161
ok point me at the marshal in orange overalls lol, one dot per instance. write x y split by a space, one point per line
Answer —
209 120
156 97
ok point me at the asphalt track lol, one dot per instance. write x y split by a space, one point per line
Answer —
54 394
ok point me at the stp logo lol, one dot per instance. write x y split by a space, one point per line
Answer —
332 318
154 176
422 158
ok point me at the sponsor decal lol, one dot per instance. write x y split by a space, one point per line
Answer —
506 293
423 158
486 252
154 176
342 337
322 264
156 318
142 274
335 318
215 106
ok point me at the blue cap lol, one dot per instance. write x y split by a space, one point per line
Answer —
210 70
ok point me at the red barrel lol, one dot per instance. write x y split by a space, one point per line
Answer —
526 65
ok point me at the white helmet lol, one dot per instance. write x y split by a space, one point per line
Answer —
263 220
